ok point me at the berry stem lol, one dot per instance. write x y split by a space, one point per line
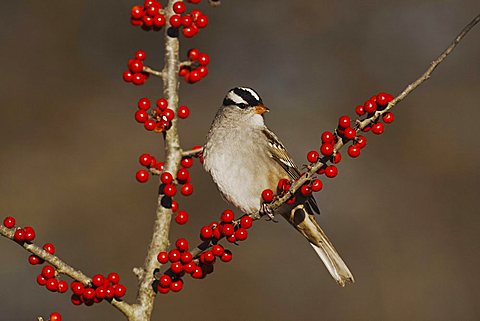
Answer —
153 72
192 153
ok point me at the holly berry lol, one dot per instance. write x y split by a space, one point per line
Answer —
370 106
203 59
378 128
77 288
226 256
150 124
241 234
41 280
361 141
186 162
327 137
306 190
120 291
52 284
194 75
267 195
181 244
179 7
384 98
9 222
113 277
141 176
19 235
359 110
316 185
326 149
193 54
62 286
166 178
344 122
137 12
181 217
29 233
206 233
98 280
101 292
187 21
187 189
354 150
227 216
49 247
145 160
183 175
246 221
388 117
176 286
55 316
48 271
140 55
183 112
201 21
34 260
227 229
177 267
312 156
349 133
138 79
186 257
165 281
190 31
159 21
331 171
76 299
162 257
144 103
175 21
337 158
217 250
141 116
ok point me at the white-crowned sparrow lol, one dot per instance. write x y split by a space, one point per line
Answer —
244 158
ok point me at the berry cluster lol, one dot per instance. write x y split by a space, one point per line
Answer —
159 119
196 68
190 23
346 131
101 287
182 261
135 74
150 16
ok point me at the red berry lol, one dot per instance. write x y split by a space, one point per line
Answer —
227 229
217 250
361 141
354 151
141 116
144 103
113 277
176 286
120 291
241 234
312 156
159 20
202 21
34 260
9 222
55 316
189 267
137 12
48 271
135 66
153 9
176 267
283 185
326 149
203 71
226 256
168 114
206 233
179 7
88 294
227 216
41 280
181 217
183 175
190 31
62 286
136 22
370 106
97 280
316 185
349 133
331 171
344 122
147 21
76 299
267 195
140 55
174 255
174 206
170 190
77 287
306 190
101 292
246 221
183 112
337 158
197 273
165 281
52 284
388 117
187 20
384 98
378 128
166 178
19 235
181 244
175 21
359 110
29 233
162 103
186 257
142 176
149 125
163 290
194 1
162 257
327 137
194 75
145 160
187 189
186 162
49 247
193 54
138 79
203 59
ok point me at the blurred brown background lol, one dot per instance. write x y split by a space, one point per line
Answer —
404 215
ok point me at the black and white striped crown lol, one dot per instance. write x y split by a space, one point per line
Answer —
242 97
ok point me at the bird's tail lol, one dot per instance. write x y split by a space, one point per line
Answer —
306 224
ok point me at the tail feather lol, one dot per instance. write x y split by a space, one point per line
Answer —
308 226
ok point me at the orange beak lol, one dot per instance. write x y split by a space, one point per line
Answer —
261 109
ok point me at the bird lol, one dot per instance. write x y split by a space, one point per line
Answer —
244 157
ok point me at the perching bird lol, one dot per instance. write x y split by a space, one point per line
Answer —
244 158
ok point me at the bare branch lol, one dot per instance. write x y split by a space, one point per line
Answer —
151 71
192 153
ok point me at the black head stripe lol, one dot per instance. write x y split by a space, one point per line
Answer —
247 96
228 102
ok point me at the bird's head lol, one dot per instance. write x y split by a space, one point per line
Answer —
245 100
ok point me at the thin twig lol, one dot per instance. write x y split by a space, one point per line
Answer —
151 71
193 152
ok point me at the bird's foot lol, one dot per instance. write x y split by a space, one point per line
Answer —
265 210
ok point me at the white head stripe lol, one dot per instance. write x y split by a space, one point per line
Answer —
252 92
236 98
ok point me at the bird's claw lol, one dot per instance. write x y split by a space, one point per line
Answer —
265 210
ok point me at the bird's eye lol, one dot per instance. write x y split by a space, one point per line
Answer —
242 105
